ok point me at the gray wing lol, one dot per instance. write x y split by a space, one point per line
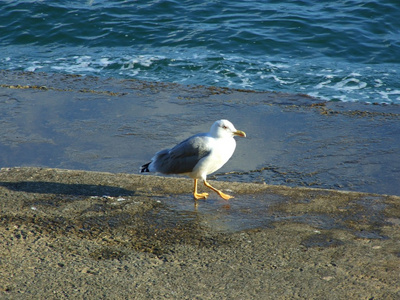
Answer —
183 157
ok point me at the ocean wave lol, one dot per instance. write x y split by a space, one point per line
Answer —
334 51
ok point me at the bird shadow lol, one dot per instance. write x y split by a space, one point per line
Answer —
43 187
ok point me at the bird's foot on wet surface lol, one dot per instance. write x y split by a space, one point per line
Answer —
198 196
224 196
221 194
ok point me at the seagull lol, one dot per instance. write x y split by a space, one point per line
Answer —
198 156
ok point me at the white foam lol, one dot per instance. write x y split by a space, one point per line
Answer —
317 95
350 84
104 62
378 83
386 95
80 64
333 80
277 79
277 65
323 84
33 68
354 74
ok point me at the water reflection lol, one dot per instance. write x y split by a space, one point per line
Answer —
247 212
115 126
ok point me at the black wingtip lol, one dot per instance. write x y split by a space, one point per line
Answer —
145 168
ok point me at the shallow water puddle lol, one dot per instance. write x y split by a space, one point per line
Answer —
246 212
241 213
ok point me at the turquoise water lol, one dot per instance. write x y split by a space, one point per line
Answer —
332 50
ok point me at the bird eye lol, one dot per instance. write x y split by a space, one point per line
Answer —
224 127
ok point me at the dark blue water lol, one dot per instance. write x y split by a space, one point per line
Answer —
333 50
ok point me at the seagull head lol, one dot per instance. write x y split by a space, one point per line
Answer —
224 129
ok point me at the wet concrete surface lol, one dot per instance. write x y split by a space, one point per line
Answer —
74 234
95 124
78 234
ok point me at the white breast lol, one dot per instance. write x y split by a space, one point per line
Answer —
222 150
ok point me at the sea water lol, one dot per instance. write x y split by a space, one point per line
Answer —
332 50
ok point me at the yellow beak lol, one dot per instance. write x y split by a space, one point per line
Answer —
240 133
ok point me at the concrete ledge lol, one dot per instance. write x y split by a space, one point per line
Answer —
74 234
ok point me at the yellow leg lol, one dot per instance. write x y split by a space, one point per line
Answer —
221 194
196 195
